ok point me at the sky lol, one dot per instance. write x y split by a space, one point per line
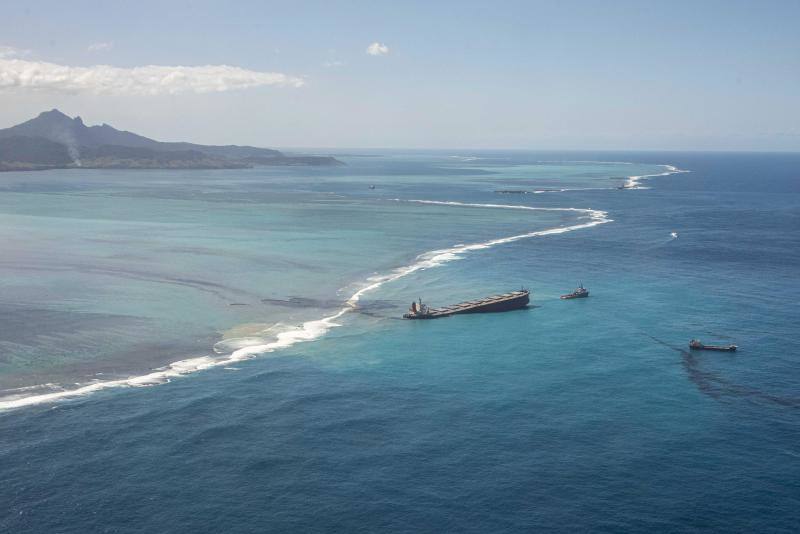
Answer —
616 75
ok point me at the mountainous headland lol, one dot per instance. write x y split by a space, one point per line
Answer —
54 140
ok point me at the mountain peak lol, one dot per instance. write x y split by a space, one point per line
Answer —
61 128
54 139
53 113
55 116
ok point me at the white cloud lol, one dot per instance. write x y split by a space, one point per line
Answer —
377 49
146 80
10 51
99 47
334 63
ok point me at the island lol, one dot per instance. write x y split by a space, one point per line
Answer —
54 140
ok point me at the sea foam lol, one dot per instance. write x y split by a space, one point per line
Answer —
633 181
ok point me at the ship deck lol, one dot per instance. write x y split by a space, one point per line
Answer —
514 300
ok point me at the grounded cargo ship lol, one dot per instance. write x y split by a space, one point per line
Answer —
498 303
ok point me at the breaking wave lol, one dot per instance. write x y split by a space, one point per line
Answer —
633 181
542 191
311 330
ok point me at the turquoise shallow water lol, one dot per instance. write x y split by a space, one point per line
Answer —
581 415
108 275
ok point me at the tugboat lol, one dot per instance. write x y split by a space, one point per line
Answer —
498 303
579 293
696 344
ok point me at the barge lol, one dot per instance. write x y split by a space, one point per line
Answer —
497 303
696 344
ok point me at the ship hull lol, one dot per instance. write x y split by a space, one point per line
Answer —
729 348
499 303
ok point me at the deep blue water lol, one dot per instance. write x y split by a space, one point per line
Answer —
570 416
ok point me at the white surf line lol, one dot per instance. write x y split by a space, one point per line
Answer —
589 212
542 191
311 330
633 181
585 161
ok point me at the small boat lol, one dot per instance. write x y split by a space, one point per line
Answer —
696 344
372 187
579 293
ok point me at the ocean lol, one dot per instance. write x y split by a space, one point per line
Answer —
222 351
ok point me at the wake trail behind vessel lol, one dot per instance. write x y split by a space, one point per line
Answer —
716 386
